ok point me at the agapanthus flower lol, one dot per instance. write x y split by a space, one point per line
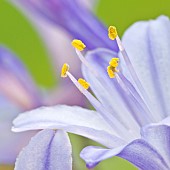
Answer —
131 99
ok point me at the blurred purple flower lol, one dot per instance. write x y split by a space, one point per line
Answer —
18 93
58 22
132 118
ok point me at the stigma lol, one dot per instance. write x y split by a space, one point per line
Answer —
64 70
78 44
84 83
112 32
112 68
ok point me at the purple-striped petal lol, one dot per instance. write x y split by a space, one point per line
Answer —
15 82
48 150
138 152
159 137
85 26
147 44
72 119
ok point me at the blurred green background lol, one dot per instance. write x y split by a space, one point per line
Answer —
19 35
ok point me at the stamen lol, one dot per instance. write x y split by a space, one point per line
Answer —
78 44
64 70
112 32
111 120
129 65
132 70
84 83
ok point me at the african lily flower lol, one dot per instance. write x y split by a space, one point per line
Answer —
132 105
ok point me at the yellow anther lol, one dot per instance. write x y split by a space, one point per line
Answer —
112 32
78 44
114 62
111 72
84 83
111 69
64 70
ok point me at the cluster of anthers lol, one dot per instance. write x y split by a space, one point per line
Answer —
113 72
80 46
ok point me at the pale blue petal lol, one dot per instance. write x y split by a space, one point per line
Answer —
72 119
159 137
48 150
147 44
138 152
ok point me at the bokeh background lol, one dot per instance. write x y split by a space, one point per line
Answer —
18 34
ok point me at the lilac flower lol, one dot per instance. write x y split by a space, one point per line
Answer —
132 109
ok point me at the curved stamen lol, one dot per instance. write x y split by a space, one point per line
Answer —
108 102
113 36
112 121
80 46
127 87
